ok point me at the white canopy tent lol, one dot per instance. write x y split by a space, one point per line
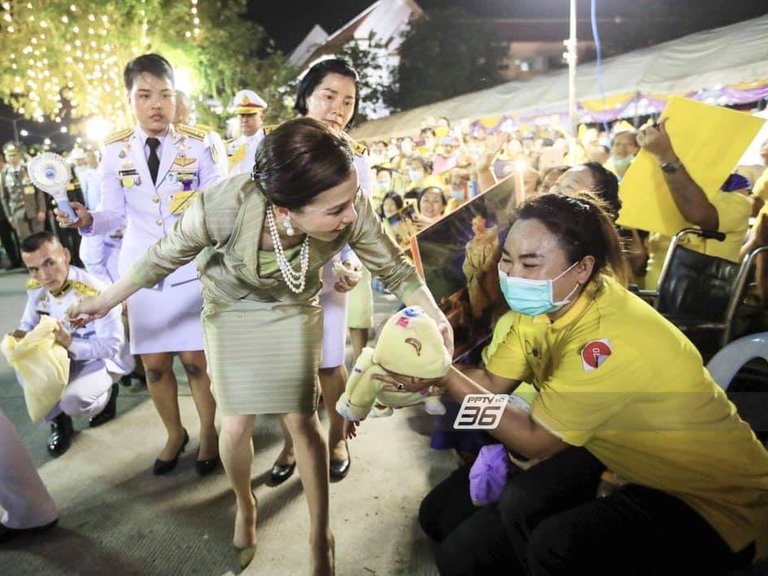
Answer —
734 57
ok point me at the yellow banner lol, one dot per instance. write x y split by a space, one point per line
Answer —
708 140
491 121
610 102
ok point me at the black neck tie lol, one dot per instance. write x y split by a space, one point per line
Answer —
153 162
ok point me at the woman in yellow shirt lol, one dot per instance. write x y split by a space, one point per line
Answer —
619 387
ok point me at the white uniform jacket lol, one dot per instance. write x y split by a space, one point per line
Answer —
165 318
94 346
242 153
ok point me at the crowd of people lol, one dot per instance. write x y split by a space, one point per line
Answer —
253 259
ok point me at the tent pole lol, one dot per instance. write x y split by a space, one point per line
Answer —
572 57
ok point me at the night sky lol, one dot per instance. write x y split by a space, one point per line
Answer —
640 22
650 21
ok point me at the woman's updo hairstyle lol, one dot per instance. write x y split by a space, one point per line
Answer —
300 159
583 227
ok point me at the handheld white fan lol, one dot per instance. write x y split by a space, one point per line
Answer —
49 172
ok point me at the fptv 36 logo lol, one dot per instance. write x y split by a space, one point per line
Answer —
480 411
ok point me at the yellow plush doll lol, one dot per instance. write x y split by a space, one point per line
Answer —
410 345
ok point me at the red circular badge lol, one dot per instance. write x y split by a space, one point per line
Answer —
595 353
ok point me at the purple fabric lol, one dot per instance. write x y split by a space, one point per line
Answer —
640 105
488 475
746 96
736 182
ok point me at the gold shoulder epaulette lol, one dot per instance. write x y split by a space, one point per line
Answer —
33 284
196 133
205 128
85 289
270 128
119 136
357 148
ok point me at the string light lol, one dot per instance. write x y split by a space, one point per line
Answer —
66 60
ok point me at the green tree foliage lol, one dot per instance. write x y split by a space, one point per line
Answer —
444 55
368 57
63 59
236 54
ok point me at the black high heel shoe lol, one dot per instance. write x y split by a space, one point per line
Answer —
245 555
164 466
340 468
280 473
205 467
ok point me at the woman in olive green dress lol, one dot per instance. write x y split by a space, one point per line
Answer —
260 242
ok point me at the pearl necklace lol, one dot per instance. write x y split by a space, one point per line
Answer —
295 280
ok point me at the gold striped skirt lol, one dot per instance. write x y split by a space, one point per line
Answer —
263 356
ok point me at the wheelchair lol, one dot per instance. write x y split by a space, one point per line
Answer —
704 295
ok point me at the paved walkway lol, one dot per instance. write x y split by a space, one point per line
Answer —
116 518
119 519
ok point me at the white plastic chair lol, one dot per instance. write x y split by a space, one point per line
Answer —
728 361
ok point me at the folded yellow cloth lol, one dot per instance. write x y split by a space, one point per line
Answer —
42 365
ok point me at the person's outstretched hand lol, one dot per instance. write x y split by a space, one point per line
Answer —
86 310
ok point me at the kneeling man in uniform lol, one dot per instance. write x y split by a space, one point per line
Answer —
93 349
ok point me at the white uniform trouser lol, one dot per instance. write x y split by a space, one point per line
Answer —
86 395
334 306
23 495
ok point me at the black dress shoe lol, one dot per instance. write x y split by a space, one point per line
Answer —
61 435
280 473
164 466
109 410
7 533
205 467
340 468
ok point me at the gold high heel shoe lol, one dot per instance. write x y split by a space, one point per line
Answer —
244 556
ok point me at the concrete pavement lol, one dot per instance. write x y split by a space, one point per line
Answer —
117 518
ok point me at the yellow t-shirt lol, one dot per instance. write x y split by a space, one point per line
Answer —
761 186
500 331
733 212
617 378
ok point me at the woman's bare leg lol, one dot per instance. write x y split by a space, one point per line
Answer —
236 449
332 384
200 385
312 460
163 388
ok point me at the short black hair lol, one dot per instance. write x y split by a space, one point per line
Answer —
299 160
314 77
153 64
33 242
395 197
432 189
606 186
583 226
425 164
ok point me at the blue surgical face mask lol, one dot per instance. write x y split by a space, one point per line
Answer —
415 175
532 297
623 162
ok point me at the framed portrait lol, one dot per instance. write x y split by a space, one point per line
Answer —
458 258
